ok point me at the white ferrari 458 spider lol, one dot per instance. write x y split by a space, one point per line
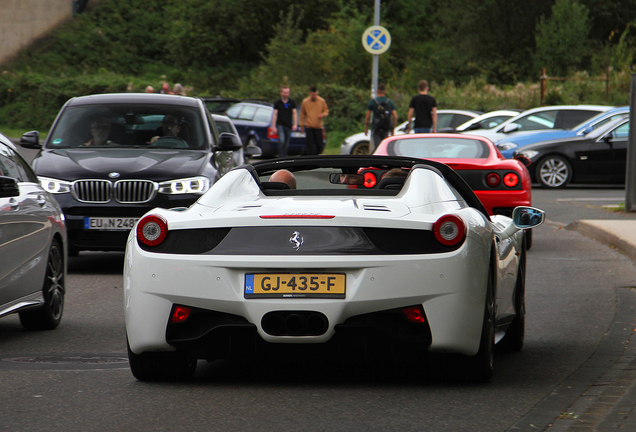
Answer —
414 265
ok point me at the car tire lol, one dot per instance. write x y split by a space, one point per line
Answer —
513 340
480 366
360 148
553 172
161 366
50 314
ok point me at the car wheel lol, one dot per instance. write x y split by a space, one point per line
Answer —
49 315
513 340
360 148
480 366
161 366
554 172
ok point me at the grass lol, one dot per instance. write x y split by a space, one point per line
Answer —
13 132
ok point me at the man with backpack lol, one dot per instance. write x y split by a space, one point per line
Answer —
383 115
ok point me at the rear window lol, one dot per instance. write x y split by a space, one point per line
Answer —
570 118
439 148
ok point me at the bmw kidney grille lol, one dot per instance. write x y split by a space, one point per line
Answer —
122 191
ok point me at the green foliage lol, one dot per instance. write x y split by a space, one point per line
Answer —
562 39
33 100
476 54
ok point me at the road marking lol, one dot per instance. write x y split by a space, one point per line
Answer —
590 199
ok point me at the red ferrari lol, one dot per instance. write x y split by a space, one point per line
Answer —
501 184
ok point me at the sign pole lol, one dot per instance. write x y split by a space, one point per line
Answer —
376 58
630 175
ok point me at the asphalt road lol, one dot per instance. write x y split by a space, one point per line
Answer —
76 378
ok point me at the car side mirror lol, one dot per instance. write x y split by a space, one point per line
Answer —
253 151
228 142
511 127
31 140
527 217
8 187
524 218
474 126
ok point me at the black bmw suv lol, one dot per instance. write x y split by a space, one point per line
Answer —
111 158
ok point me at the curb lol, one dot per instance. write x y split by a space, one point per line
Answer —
608 232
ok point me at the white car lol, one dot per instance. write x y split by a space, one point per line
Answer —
358 144
255 267
541 119
488 120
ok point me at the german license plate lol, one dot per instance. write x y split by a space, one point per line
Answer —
298 134
293 285
109 224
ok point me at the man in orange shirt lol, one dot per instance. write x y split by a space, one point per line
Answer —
312 111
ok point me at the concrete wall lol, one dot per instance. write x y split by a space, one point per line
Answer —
23 21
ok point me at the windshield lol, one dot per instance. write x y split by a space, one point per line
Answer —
129 125
433 148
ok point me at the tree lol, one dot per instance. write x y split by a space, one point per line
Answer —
562 39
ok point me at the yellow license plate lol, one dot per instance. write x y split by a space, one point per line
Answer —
291 285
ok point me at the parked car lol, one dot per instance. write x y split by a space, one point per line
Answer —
507 147
219 105
501 184
358 144
255 267
253 120
32 245
542 118
487 121
598 157
154 151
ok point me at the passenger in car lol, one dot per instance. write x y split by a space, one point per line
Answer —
284 176
100 132
169 127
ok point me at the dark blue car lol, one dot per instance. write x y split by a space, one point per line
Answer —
253 120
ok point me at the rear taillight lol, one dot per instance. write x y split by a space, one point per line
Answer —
511 179
449 230
152 230
272 133
369 179
493 180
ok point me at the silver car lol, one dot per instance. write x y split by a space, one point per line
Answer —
447 120
32 245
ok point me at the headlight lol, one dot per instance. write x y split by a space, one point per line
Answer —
506 146
55 186
195 185
530 154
